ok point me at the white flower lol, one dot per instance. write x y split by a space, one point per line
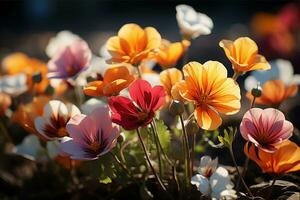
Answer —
52 125
212 181
61 40
281 69
90 105
13 84
192 23
31 149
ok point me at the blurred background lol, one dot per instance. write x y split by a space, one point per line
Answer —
27 25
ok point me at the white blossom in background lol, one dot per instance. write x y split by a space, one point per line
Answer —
90 105
61 40
280 69
213 181
191 23
30 148
13 85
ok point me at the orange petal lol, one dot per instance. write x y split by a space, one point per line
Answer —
170 77
94 88
207 118
115 87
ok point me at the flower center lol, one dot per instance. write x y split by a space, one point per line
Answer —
142 116
95 146
62 132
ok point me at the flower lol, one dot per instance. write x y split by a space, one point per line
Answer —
115 79
89 137
139 111
242 53
169 53
281 69
191 23
168 78
70 61
13 85
17 64
265 128
5 103
133 44
284 160
56 114
60 41
26 114
209 89
213 181
90 105
274 92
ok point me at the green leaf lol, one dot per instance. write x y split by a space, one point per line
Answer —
105 180
163 135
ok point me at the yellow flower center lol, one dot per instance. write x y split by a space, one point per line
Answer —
95 146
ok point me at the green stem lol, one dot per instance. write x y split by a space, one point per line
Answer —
193 151
186 151
156 140
121 164
149 161
139 72
238 171
236 75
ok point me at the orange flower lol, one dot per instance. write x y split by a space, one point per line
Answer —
284 160
168 78
243 54
115 79
170 53
274 92
26 113
20 63
209 89
133 44
5 102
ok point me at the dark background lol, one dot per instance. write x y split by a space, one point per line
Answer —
27 25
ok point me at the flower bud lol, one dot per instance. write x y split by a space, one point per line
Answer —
37 77
121 138
256 92
176 107
192 127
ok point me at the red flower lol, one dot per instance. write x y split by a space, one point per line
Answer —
139 111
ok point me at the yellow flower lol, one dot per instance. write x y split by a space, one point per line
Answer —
133 44
169 53
209 89
168 78
243 54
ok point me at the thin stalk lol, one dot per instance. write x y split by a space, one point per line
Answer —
173 164
272 187
245 169
149 161
236 75
238 171
193 152
156 140
186 150
139 72
121 164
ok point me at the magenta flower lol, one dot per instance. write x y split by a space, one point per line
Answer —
90 136
70 61
265 128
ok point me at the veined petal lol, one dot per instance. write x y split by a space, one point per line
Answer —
207 118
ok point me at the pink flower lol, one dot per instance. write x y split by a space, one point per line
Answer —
52 125
139 111
90 136
70 61
265 128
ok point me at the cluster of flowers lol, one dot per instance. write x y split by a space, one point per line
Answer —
204 91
